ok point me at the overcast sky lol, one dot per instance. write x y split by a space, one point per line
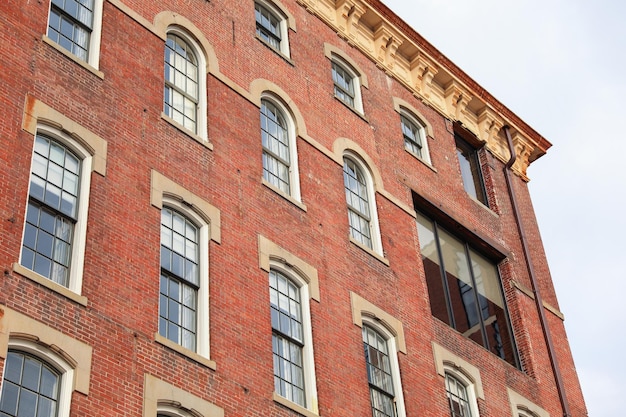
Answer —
560 66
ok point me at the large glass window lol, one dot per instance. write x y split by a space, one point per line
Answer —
457 397
379 373
470 170
181 82
52 210
287 338
464 289
276 142
180 279
70 25
358 200
30 387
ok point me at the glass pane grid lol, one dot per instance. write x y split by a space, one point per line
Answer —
411 133
70 25
457 396
180 279
378 373
30 387
287 337
358 203
267 26
275 138
181 82
344 85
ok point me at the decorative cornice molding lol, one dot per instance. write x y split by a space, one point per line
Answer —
433 80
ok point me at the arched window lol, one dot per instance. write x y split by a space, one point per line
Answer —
347 85
414 136
279 156
30 387
52 213
458 398
272 26
362 217
379 373
180 279
287 338
185 83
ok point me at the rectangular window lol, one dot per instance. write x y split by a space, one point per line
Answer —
71 24
470 170
344 84
464 289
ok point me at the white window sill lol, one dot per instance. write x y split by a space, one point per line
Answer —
422 160
375 254
284 195
185 352
48 283
73 57
202 141
293 406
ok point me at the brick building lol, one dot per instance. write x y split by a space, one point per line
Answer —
272 207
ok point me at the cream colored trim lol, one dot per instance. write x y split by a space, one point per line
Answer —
331 51
438 84
295 407
343 146
48 283
73 57
156 391
398 104
166 19
134 15
76 353
446 359
279 6
184 351
161 186
260 86
284 195
363 308
521 403
270 251
528 292
36 111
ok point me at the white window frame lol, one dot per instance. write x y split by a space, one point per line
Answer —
283 23
52 359
201 133
202 311
392 329
356 84
393 362
421 132
374 225
294 176
77 256
165 192
274 257
463 371
93 53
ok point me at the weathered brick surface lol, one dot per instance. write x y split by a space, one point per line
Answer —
121 273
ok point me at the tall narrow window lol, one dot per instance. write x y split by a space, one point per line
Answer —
414 137
276 152
267 26
30 387
358 199
52 210
470 170
457 397
180 279
70 25
181 82
465 289
287 338
379 373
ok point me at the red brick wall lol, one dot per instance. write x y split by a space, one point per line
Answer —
122 248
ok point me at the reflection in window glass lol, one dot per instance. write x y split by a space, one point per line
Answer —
287 338
457 397
344 84
52 210
30 387
180 279
267 26
70 25
470 171
465 289
379 373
